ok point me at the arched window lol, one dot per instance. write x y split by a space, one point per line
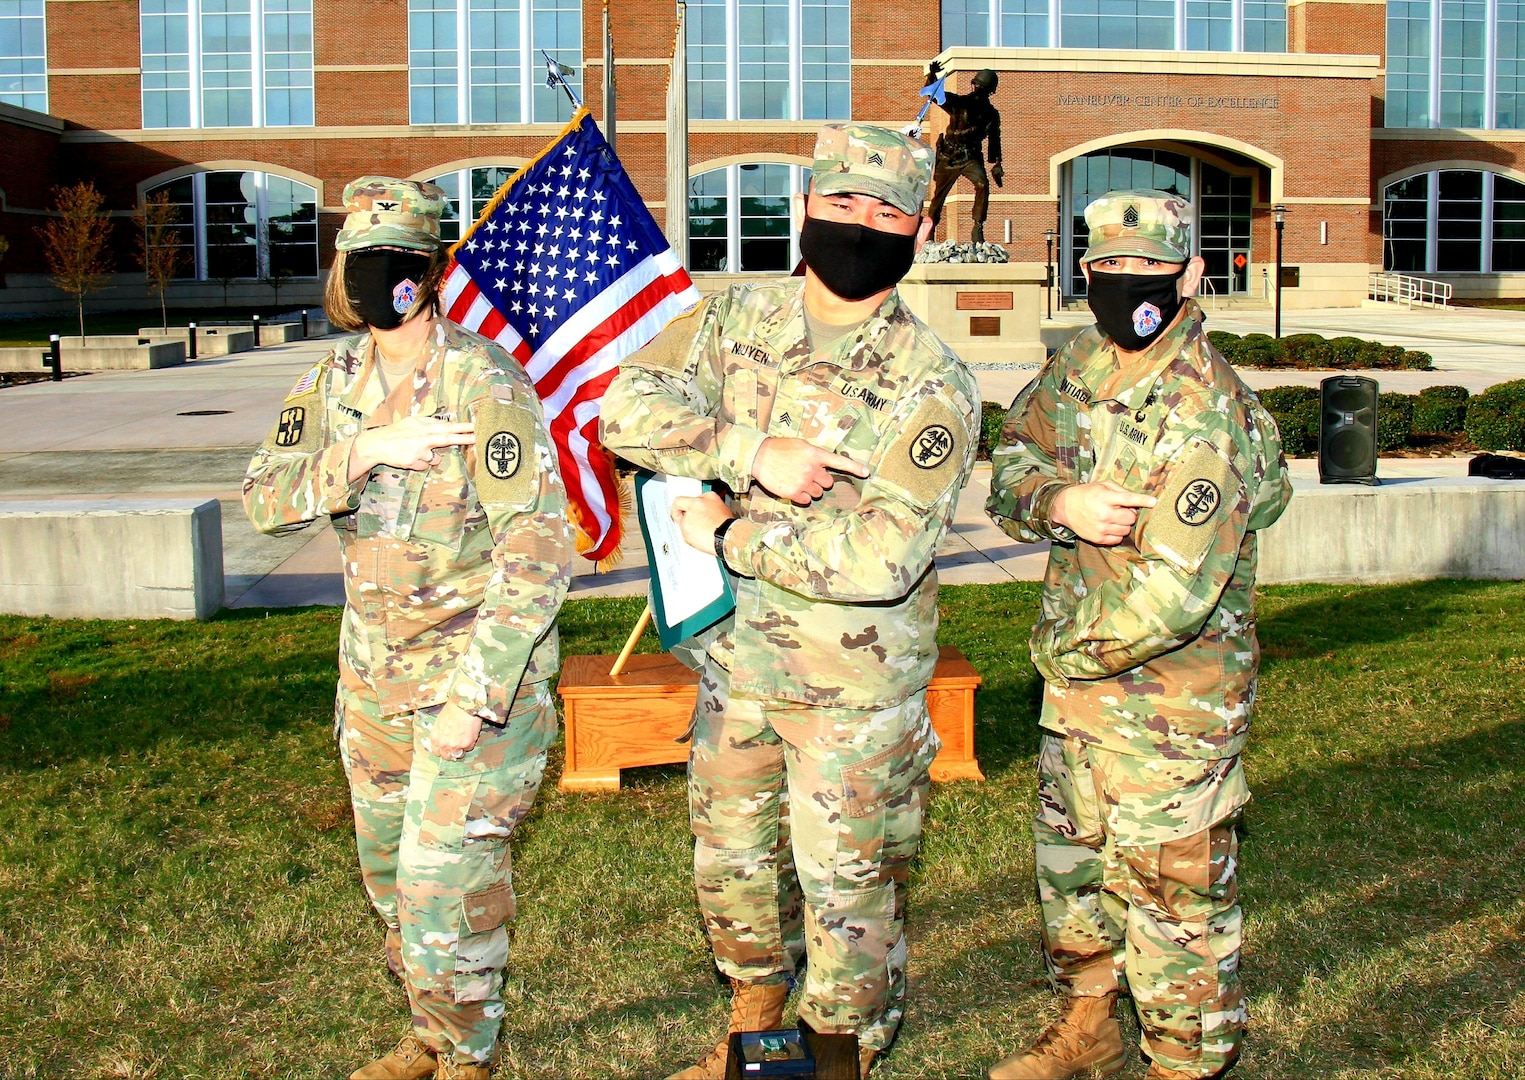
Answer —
739 218
1454 221
482 182
245 225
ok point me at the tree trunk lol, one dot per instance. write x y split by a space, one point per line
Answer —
81 301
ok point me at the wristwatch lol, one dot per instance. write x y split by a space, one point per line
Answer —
720 532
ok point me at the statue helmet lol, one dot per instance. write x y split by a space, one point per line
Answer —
985 79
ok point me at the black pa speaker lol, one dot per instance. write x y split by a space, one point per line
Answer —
1347 430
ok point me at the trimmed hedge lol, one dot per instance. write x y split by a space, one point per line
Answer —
1395 420
991 418
1314 352
1441 410
1496 417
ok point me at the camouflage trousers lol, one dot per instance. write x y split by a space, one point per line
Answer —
433 837
805 822
1136 860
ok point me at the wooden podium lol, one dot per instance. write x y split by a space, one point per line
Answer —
635 718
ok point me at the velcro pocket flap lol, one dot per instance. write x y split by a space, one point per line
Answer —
488 909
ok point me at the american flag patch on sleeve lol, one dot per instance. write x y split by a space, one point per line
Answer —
306 382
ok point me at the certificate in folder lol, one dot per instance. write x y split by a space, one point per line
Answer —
689 588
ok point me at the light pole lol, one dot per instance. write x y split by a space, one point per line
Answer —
1280 213
1048 292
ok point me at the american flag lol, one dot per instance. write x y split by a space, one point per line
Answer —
566 269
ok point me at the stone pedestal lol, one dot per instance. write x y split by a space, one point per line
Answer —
988 313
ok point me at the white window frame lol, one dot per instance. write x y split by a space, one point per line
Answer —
799 182
795 91
198 89
1056 17
531 67
43 19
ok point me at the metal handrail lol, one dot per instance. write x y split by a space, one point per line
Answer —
1405 289
1211 288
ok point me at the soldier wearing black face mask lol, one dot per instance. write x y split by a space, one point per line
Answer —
844 430
426 448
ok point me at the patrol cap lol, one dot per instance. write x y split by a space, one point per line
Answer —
858 159
1151 224
384 212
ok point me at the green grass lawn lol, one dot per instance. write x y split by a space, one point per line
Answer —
178 894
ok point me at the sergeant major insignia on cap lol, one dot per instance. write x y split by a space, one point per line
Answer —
1148 224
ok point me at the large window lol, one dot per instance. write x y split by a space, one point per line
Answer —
1222 25
1449 66
23 55
739 218
1454 221
479 62
482 183
245 225
745 64
226 63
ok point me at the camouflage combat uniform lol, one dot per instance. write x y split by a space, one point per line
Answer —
808 773
1149 657
453 577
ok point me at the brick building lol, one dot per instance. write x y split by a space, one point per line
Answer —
1390 132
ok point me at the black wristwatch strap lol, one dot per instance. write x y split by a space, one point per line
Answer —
724 527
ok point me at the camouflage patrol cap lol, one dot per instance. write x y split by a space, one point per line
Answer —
858 159
1151 224
384 212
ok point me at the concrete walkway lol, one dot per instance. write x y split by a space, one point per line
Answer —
128 434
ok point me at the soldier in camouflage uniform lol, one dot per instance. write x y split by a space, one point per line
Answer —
425 446
1150 466
843 430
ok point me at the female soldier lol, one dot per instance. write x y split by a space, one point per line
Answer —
425 445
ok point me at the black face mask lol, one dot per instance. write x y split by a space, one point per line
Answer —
854 261
1134 309
382 284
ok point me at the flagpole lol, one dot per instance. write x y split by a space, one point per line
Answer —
677 142
635 635
608 81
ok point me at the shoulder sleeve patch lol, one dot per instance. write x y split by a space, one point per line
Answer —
1200 493
669 350
306 383
927 454
507 471
298 428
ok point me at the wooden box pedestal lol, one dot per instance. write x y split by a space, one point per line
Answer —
636 717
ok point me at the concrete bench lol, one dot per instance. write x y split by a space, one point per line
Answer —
126 355
111 559
1405 529
210 340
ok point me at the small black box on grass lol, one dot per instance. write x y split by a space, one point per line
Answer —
802 1053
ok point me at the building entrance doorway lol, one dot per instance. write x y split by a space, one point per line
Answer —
1222 197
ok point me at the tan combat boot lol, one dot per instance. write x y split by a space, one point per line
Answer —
1085 1038
450 1069
410 1059
866 1061
754 1007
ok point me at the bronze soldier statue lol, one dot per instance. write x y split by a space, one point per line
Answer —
972 119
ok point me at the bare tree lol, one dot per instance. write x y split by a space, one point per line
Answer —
274 276
5 245
75 242
159 252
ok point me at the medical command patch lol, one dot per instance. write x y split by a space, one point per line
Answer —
925 458
1184 522
505 437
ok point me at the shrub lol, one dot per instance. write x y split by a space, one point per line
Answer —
1226 343
1351 352
1441 410
991 417
1305 350
1257 350
1416 360
1395 420
1296 412
1496 417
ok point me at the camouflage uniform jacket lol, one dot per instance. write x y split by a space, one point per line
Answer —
1147 647
452 575
836 601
